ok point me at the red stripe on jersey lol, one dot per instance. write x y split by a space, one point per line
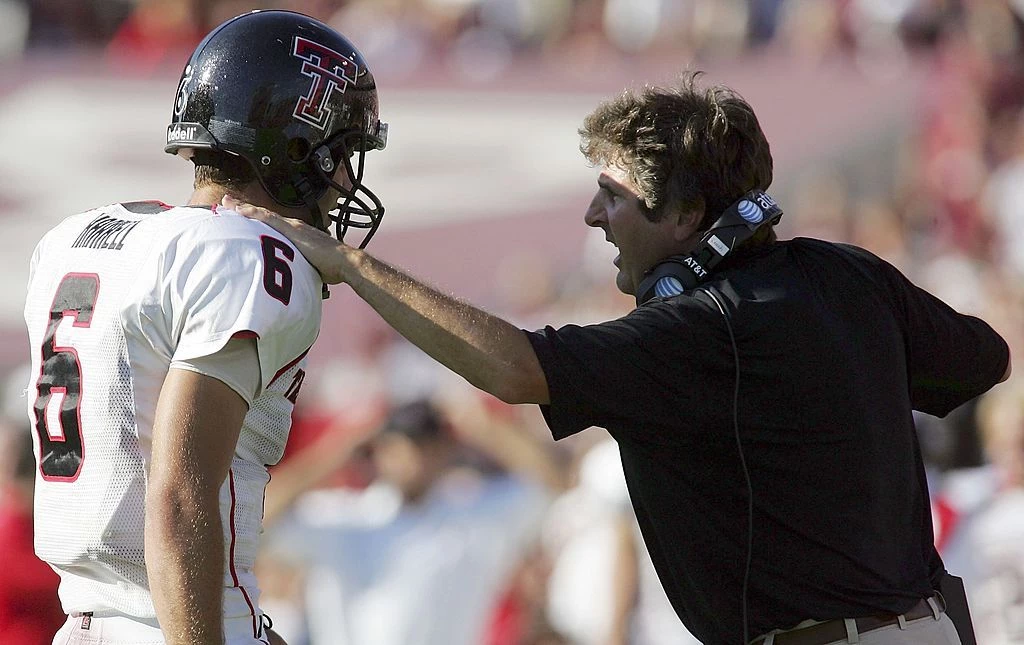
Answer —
245 334
252 610
289 365
231 547
231 557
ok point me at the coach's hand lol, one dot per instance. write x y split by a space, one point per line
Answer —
320 248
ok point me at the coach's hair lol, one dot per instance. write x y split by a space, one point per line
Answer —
683 147
222 169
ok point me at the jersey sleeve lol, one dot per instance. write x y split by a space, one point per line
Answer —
237 365
224 279
951 357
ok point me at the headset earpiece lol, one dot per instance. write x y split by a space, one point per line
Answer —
738 223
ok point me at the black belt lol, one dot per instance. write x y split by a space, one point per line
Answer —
834 630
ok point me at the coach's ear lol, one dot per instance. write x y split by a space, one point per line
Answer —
686 223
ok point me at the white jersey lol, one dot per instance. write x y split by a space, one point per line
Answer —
115 296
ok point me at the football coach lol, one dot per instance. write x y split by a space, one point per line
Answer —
761 392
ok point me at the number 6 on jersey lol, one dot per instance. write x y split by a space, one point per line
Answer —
61 451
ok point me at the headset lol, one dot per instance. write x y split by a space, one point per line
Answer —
738 223
680 273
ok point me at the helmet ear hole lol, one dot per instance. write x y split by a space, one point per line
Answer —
298 149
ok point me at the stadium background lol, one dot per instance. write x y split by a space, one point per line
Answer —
895 124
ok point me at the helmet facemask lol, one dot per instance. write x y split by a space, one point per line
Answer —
357 206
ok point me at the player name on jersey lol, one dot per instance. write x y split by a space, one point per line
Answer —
105 232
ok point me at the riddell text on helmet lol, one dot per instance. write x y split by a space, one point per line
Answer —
179 133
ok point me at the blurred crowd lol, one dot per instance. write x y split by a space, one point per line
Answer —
482 38
411 509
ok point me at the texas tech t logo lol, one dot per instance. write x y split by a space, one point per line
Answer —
330 71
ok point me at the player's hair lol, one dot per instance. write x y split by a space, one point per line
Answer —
222 169
683 147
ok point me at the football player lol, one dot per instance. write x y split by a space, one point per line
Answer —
168 343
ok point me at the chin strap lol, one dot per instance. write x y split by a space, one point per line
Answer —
316 218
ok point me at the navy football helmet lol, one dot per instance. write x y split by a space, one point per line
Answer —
292 97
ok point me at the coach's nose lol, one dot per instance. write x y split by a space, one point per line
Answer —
596 214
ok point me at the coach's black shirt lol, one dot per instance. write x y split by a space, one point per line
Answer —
836 347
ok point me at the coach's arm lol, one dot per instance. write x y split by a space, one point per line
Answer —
198 420
490 353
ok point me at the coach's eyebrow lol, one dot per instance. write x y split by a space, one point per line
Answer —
610 185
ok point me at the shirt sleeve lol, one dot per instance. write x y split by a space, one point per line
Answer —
623 373
221 280
951 357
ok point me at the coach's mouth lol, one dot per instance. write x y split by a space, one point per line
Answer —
618 258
